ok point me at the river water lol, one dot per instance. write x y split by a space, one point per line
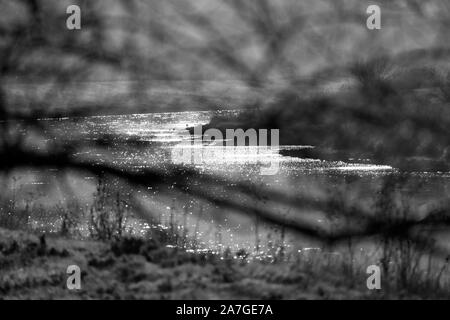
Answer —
141 141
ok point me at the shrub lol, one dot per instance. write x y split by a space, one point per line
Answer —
108 213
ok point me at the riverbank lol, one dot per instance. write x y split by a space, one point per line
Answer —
393 120
35 267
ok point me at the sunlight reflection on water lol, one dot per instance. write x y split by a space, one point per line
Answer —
146 141
157 134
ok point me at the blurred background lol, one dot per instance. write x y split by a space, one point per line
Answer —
89 118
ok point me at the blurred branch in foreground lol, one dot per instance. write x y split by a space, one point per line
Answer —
133 46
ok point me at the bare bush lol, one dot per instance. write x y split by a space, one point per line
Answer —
108 213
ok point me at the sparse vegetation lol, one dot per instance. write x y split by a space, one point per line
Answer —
157 265
108 213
